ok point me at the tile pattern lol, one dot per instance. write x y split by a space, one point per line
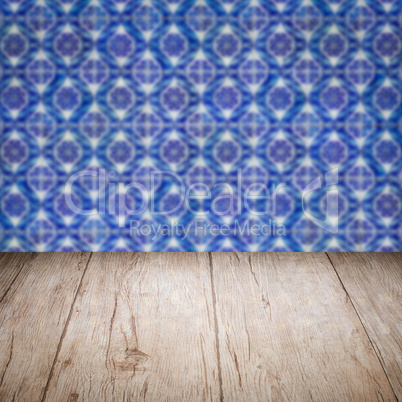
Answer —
282 90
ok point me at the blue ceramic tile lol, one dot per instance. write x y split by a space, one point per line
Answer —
248 125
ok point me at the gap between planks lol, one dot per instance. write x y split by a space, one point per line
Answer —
33 313
364 327
216 329
4 292
215 316
216 325
65 329
155 336
218 354
374 286
305 332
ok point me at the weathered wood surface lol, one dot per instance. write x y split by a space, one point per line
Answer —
142 328
374 284
170 326
33 313
11 265
288 331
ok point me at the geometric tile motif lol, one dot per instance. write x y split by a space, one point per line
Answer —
280 91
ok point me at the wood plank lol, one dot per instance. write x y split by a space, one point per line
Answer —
374 284
10 266
288 331
33 315
142 328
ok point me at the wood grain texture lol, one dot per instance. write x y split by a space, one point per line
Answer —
288 331
142 328
33 314
10 266
374 284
